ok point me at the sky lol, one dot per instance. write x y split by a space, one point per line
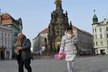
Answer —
36 14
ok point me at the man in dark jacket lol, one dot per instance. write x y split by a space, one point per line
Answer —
23 53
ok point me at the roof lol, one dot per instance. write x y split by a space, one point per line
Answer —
7 19
44 31
94 16
86 32
74 27
104 22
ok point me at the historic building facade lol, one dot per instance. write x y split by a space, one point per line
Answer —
15 25
100 33
85 42
5 43
40 41
57 26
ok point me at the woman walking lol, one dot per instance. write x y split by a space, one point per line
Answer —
68 42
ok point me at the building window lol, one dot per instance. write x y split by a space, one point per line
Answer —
107 42
100 29
100 36
107 35
2 39
95 36
95 29
106 28
15 34
5 44
2 36
102 43
8 35
5 37
96 43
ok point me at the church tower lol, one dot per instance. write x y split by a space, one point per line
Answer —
57 26
95 18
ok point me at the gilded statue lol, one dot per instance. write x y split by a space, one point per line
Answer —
57 2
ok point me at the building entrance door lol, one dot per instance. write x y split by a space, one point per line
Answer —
102 51
2 54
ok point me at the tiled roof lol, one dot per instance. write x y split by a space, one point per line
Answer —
44 31
7 19
6 16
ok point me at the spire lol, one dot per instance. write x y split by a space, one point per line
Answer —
95 18
58 4
94 15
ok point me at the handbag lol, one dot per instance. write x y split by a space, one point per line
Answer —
60 55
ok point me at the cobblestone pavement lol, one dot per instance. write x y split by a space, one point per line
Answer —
83 64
